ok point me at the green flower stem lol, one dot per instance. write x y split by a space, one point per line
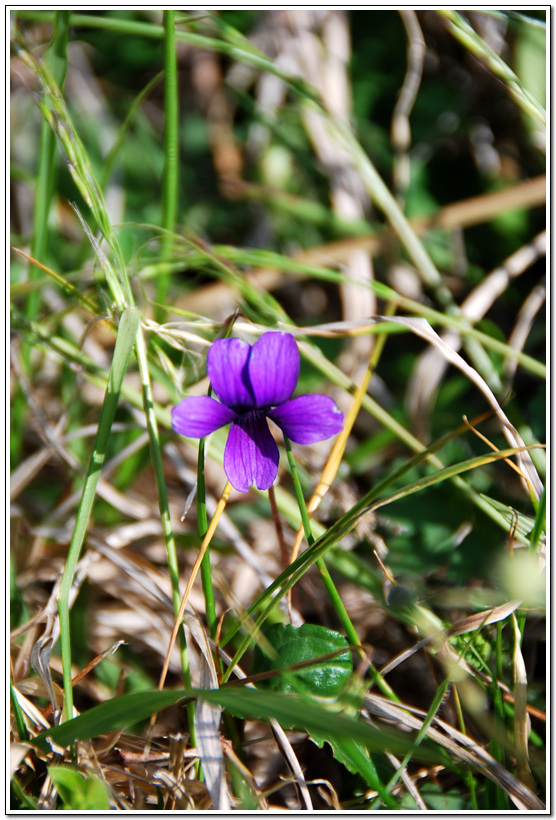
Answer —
329 585
165 518
202 527
278 526
171 149
335 598
127 334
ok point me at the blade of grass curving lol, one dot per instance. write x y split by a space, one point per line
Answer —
421 735
170 186
529 473
338 377
478 46
370 502
540 522
69 287
112 154
127 334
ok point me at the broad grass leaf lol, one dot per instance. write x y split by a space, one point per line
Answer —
312 716
107 717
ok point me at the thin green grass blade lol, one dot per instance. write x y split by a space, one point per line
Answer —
56 56
22 732
478 46
127 334
539 526
111 156
69 287
422 733
170 186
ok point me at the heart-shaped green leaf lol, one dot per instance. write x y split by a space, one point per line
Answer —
293 646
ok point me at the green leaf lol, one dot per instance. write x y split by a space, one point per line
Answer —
290 645
438 799
78 792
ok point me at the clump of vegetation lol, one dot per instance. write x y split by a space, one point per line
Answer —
323 587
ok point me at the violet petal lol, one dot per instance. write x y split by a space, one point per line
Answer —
307 419
227 363
197 416
251 454
273 368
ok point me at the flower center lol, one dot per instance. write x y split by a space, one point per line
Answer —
251 416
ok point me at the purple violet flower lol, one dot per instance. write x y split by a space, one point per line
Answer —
253 383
